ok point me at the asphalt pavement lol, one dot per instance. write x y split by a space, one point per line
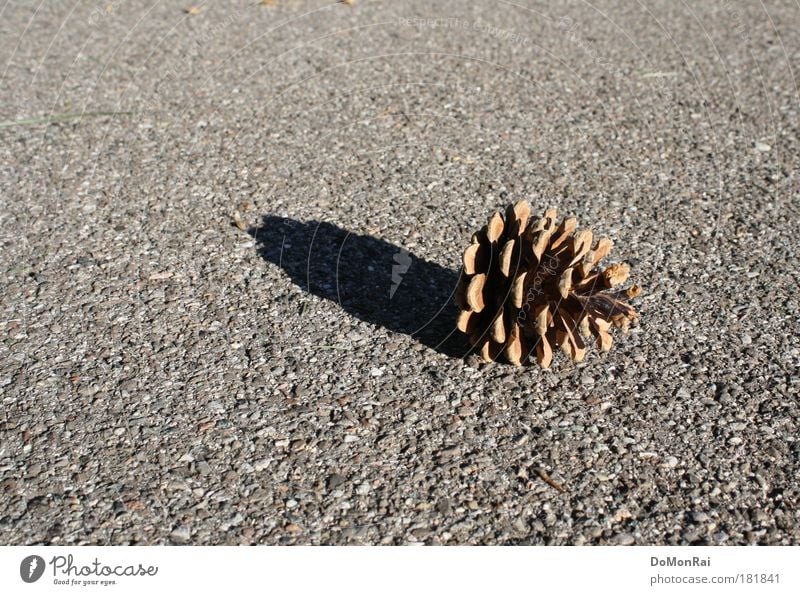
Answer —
231 235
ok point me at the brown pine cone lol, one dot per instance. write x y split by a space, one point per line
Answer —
527 287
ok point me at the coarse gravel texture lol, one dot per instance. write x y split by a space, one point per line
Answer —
227 289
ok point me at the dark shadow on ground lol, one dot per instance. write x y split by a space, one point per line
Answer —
378 282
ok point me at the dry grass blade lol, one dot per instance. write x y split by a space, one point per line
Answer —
549 480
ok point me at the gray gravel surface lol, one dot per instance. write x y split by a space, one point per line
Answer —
168 377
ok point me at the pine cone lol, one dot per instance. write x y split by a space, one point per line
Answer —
537 286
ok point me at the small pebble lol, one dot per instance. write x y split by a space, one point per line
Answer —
180 534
